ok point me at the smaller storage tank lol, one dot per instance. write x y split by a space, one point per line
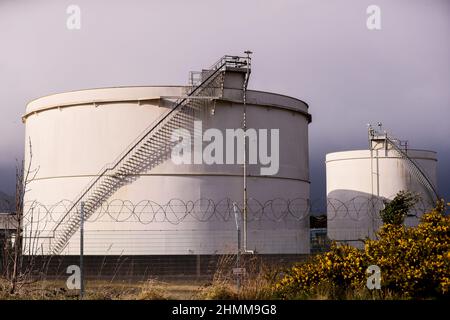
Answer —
359 181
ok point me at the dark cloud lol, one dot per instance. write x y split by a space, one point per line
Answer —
7 180
319 51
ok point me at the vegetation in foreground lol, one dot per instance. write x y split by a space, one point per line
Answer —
414 264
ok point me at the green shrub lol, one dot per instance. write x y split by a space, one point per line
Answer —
414 262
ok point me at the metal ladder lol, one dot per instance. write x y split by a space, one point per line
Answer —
151 148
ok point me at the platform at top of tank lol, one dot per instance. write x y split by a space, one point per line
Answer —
146 93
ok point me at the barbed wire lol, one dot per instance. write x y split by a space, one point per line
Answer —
359 207
176 210
177 223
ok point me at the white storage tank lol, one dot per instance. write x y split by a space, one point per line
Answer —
359 181
166 208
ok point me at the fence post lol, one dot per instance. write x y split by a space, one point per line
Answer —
198 266
238 259
238 254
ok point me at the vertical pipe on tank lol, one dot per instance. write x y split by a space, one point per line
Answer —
372 173
244 125
245 176
372 206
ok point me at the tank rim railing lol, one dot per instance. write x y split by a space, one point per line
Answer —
219 66
195 77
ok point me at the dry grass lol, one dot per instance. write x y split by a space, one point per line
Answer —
102 290
256 284
325 292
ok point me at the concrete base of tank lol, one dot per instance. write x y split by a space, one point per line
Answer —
138 268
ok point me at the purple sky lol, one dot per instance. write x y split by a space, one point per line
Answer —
318 51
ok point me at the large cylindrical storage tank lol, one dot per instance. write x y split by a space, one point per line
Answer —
359 181
171 209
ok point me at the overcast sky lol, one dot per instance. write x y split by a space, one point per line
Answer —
319 51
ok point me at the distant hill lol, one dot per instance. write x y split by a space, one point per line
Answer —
6 202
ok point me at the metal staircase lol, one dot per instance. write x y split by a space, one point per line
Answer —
415 170
151 148
411 165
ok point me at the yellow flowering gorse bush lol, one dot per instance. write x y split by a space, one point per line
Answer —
414 262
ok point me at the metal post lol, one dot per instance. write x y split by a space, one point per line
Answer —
372 205
244 125
81 250
238 259
245 178
238 254
386 141
198 266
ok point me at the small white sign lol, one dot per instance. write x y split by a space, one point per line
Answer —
238 271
